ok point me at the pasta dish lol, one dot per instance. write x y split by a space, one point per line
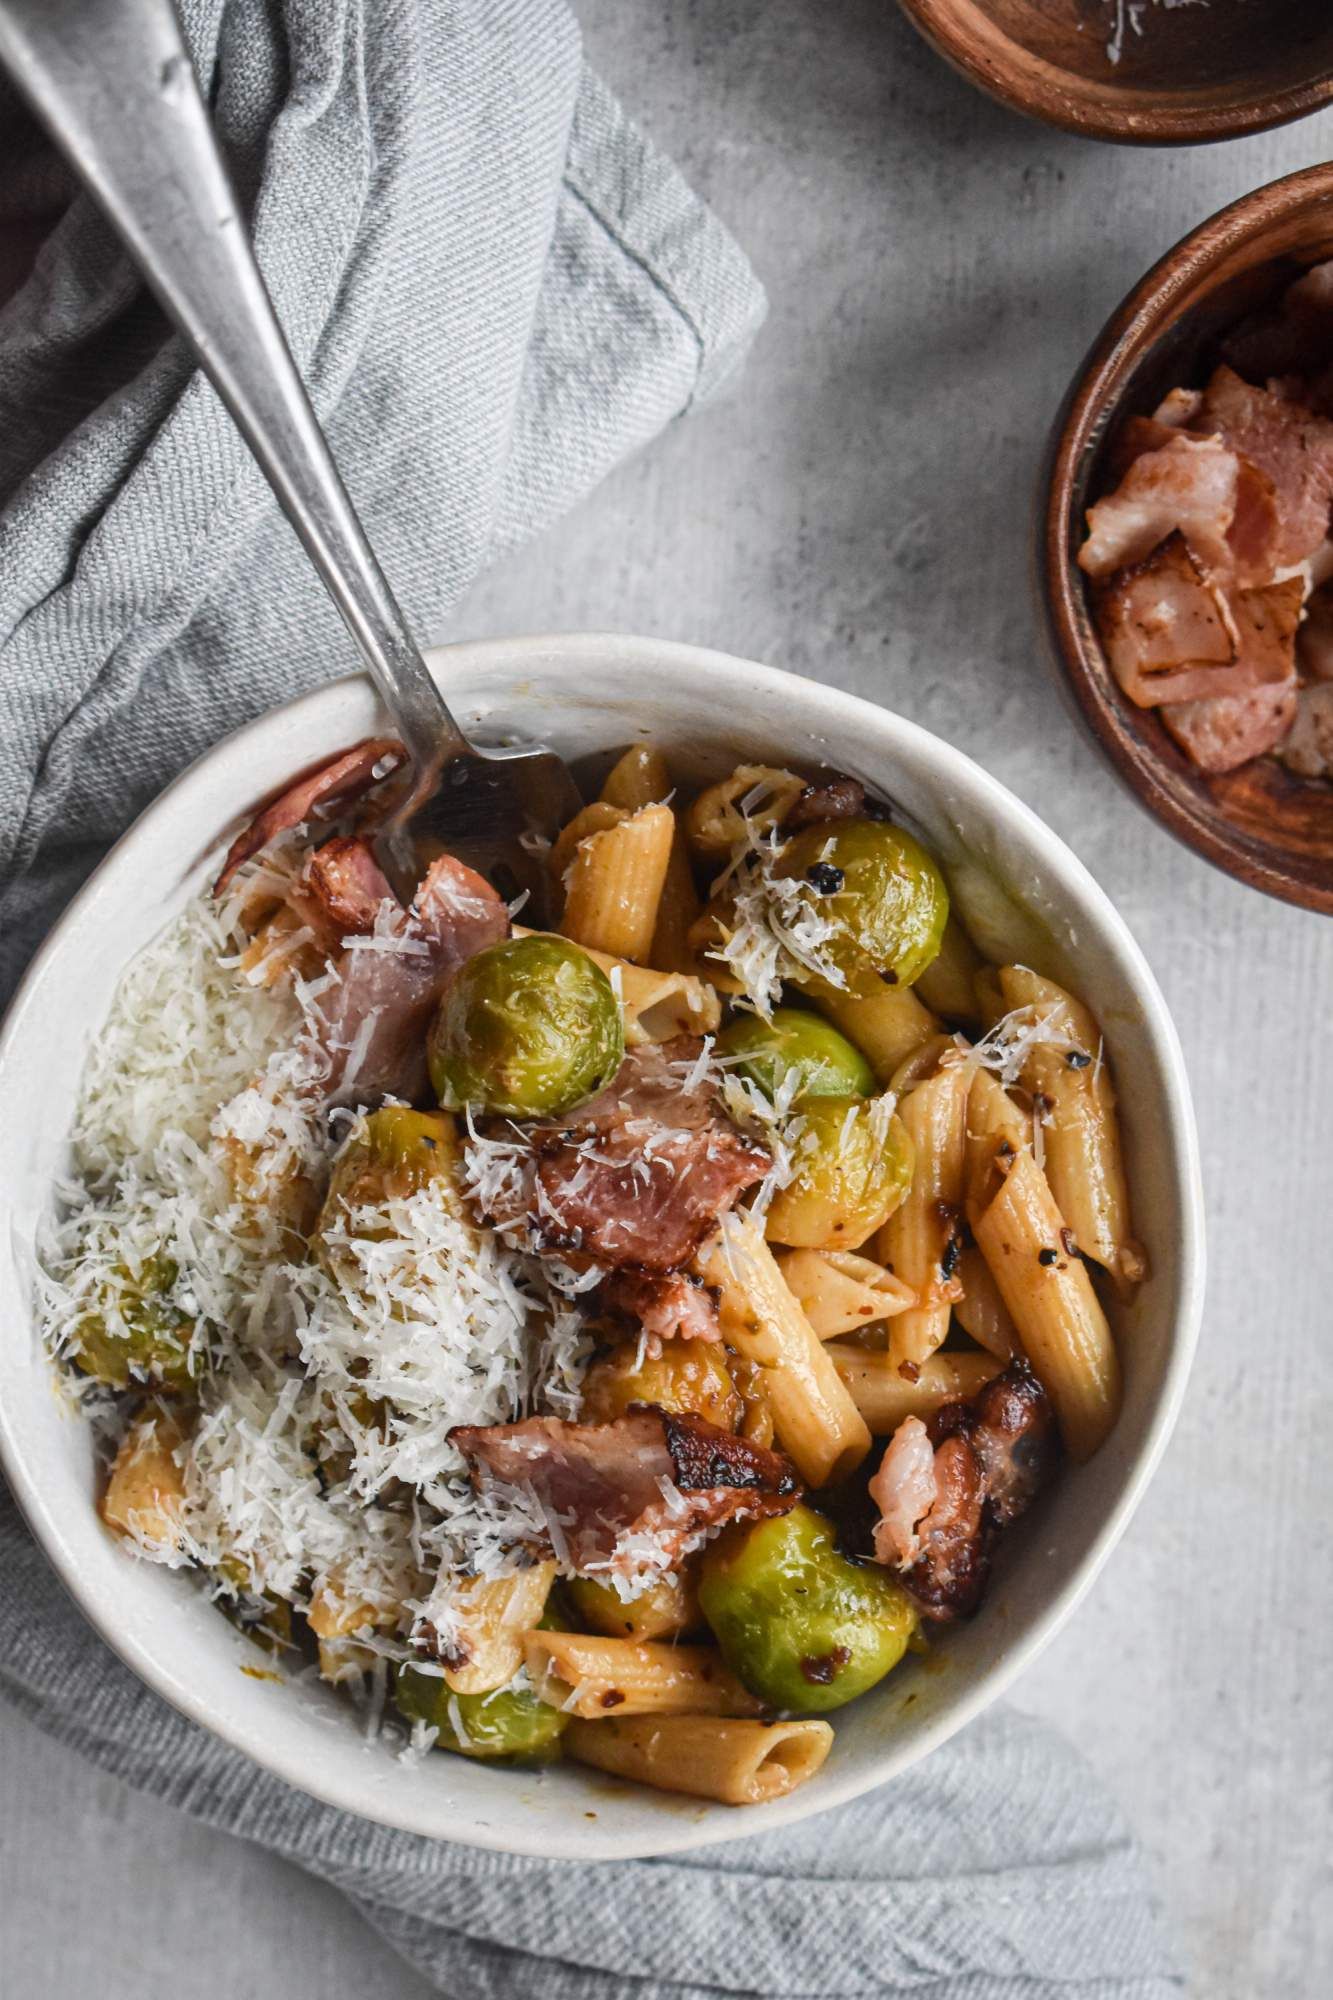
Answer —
623 1341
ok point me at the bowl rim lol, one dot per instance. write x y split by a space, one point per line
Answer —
1014 76
1089 401
571 650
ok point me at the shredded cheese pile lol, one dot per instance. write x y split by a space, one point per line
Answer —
775 924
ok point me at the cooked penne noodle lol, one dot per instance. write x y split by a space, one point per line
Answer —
884 1395
886 1028
593 1676
335 1619
948 984
146 1488
639 778
489 1618
656 1005
990 1000
613 884
1074 1100
928 1056
921 1241
1026 1243
841 1292
715 825
997 1129
599 817
642 778
981 1311
815 1420
737 1763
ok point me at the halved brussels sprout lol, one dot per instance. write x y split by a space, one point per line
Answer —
527 1029
391 1153
137 1334
825 1062
882 894
804 1628
686 1375
666 1608
853 1169
509 1722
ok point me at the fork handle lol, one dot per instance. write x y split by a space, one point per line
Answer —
117 89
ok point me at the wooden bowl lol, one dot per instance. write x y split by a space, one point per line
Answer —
1261 823
1209 70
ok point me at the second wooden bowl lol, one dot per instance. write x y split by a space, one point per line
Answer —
1145 72
1260 823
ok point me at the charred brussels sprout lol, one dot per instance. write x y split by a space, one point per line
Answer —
137 1334
391 1153
527 1029
853 1167
687 1375
509 1722
825 1062
882 896
804 1628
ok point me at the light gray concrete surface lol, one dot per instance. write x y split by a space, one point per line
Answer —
858 509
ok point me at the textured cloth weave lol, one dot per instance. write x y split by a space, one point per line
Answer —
495 289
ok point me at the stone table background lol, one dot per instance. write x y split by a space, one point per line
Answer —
858 509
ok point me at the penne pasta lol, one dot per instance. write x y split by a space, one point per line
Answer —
981 1312
641 778
613 884
592 1676
887 1027
1074 1102
145 1491
599 817
922 1240
884 1395
841 1292
948 984
815 1420
715 824
997 1129
1045 1285
737 1763
488 1619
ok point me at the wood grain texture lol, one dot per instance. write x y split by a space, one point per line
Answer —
1137 72
858 508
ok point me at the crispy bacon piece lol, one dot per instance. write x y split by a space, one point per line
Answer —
836 797
1288 443
340 891
672 1305
336 783
641 1173
637 1493
376 1018
1173 635
1308 750
945 1488
1186 485
1224 732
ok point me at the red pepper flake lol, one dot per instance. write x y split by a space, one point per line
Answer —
822 1668
1070 1241
612 1698
909 1371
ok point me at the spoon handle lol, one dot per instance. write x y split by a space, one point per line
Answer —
115 85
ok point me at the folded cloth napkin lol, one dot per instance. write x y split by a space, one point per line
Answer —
495 289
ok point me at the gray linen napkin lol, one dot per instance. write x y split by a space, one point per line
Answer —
496 289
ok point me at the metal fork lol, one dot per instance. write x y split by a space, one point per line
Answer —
114 83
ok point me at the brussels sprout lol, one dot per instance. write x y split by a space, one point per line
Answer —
529 1029
509 1722
138 1334
686 1375
825 1062
391 1152
801 1625
882 894
852 1169
664 1609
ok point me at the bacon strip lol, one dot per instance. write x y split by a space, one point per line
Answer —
635 1494
337 782
671 1306
1173 635
377 1017
1289 444
1187 486
640 1174
1222 733
944 1489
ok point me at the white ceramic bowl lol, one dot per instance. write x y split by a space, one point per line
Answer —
1023 894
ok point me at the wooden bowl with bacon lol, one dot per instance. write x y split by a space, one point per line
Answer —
1185 556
